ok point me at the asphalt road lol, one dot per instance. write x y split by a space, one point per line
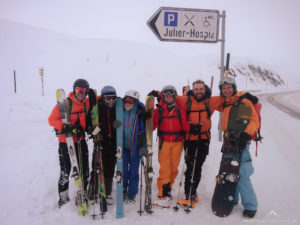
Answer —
279 101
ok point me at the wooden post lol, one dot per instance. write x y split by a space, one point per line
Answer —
41 72
15 82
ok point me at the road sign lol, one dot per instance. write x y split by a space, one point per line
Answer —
189 25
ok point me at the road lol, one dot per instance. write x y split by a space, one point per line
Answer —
282 101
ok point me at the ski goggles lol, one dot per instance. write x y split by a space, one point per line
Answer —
80 90
168 92
129 100
110 97
227 80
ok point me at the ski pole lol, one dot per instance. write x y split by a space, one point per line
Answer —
141 187
181 176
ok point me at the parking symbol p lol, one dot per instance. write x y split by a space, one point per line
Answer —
171 19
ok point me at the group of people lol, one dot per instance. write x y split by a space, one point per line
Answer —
182 122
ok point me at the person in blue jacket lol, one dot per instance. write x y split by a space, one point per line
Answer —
133 140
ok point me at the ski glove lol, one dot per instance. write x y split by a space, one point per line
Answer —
146 115
116 124
142 152
92 98
66 129
153 93
190 93
244 139
251 98
195 128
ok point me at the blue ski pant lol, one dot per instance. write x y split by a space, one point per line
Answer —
244 186
130 172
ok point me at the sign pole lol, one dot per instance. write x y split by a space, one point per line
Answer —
223 17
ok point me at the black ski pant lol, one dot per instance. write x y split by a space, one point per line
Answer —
65 165
109 163
196 152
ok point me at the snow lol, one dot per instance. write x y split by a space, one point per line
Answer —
29 167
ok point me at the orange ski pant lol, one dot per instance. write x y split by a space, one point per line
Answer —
168 157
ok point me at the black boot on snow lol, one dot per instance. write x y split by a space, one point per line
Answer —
62 201
167 191
131 198
249 213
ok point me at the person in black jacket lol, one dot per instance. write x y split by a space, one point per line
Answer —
108 125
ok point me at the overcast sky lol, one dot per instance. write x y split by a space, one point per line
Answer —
267 30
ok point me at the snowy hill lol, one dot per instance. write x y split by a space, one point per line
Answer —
25 49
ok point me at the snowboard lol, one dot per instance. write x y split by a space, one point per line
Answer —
76 170
228 176
97 186
148 170
119 156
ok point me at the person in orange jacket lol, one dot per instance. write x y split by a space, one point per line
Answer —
79 107
244 188
170 120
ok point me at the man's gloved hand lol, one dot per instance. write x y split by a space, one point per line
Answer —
190 93
251 98
195 128
92 98
78 130
66 129
116 124
142 152
146 115
153 93
243 140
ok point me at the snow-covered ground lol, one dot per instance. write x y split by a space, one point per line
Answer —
29 167
29 172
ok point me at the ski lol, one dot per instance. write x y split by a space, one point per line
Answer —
148 170
76 170
119 155
98 190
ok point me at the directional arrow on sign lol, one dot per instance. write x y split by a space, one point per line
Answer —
182 24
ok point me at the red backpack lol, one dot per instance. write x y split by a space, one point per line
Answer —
257 137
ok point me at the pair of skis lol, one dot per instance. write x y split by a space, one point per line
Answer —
148 169
98 190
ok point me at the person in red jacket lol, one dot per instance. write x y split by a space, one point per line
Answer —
170 120
78 106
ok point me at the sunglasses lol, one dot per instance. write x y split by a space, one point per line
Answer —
168 92
80 90
110 97
129 100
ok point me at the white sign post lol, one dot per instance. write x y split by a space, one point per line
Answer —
188 25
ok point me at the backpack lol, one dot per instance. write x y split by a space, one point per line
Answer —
161 133
256 136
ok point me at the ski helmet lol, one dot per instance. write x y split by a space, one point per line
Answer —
108 90
81 83
228 80
133 94
169 90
